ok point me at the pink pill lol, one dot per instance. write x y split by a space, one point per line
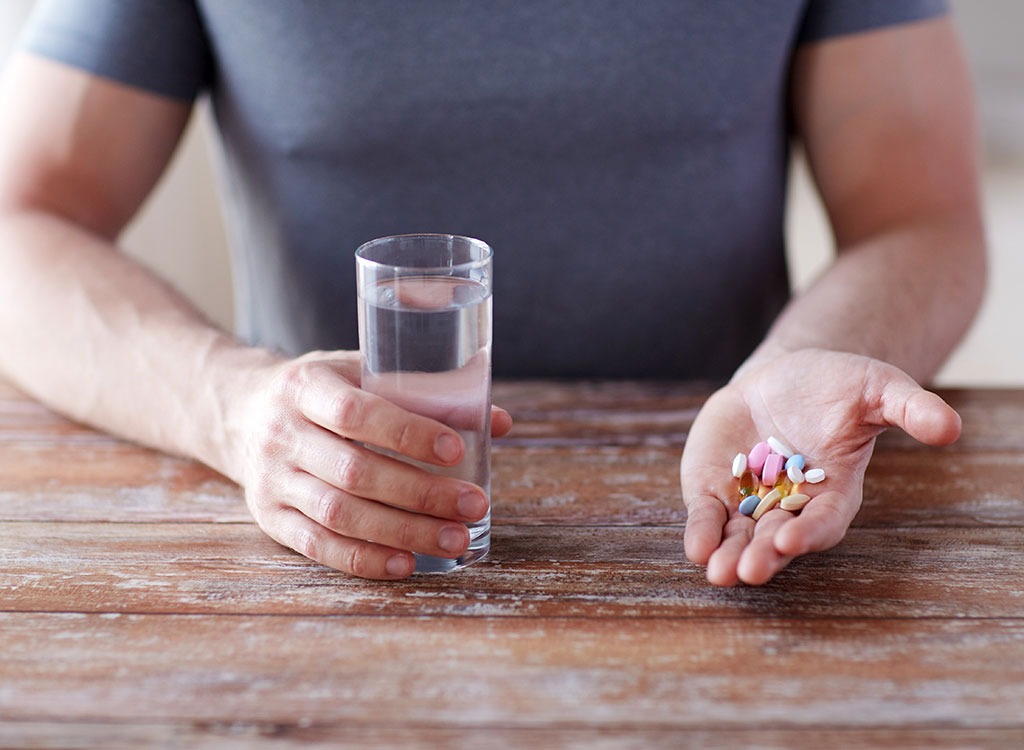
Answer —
772 466
757 456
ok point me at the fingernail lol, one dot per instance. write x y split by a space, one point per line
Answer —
452 539
399 565
472 505
446 448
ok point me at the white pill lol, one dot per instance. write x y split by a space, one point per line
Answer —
739 465
814 475
780 447
796 476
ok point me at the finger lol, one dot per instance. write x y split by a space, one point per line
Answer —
367 474
723 563
361 519
706 513
921 414
501 422
329 400
761 559
821 525
705 521
363 559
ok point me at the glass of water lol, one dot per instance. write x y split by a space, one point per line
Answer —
425 344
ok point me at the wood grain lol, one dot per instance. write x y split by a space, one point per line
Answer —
355 736
141 607
593 572
638 672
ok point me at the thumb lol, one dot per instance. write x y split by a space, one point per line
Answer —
921 414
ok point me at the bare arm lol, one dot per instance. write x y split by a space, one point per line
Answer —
887 122
85 328
98 337
886 118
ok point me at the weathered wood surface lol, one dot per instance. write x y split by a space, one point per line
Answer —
353 736
593 572
686 672
140 607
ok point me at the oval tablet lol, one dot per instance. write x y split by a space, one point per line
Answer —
768 502
739 465
814 475
779 447
796 476
794 502
749 504
772 467
796 460
757 455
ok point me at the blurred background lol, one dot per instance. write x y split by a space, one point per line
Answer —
180 234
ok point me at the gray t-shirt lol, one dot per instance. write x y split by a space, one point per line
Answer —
626 160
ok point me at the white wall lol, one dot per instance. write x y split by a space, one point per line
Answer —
179 232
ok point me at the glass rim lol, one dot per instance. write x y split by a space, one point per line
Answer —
483 260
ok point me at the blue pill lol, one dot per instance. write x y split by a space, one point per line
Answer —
796 460
748 504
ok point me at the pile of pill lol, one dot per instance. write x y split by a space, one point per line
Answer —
771 475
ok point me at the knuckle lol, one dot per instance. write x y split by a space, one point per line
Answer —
273 443
406 535
290 379
349 470
405 438
357 562
260 500
307 543
275 433
431 500
265 489
332 510
346 410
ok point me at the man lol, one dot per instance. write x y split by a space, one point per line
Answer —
628 164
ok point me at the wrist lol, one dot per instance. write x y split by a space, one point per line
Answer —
768 351
232 376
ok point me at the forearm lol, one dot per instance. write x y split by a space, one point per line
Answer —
905 296
97 337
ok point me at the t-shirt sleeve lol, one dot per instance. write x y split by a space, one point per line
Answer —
829 18
157 45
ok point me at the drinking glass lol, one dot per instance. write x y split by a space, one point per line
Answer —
425 344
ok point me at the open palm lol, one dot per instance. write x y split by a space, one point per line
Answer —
829 406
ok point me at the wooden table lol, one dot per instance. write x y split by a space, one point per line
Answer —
141 607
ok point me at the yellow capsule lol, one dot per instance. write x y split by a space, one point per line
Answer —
747 484
784 485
